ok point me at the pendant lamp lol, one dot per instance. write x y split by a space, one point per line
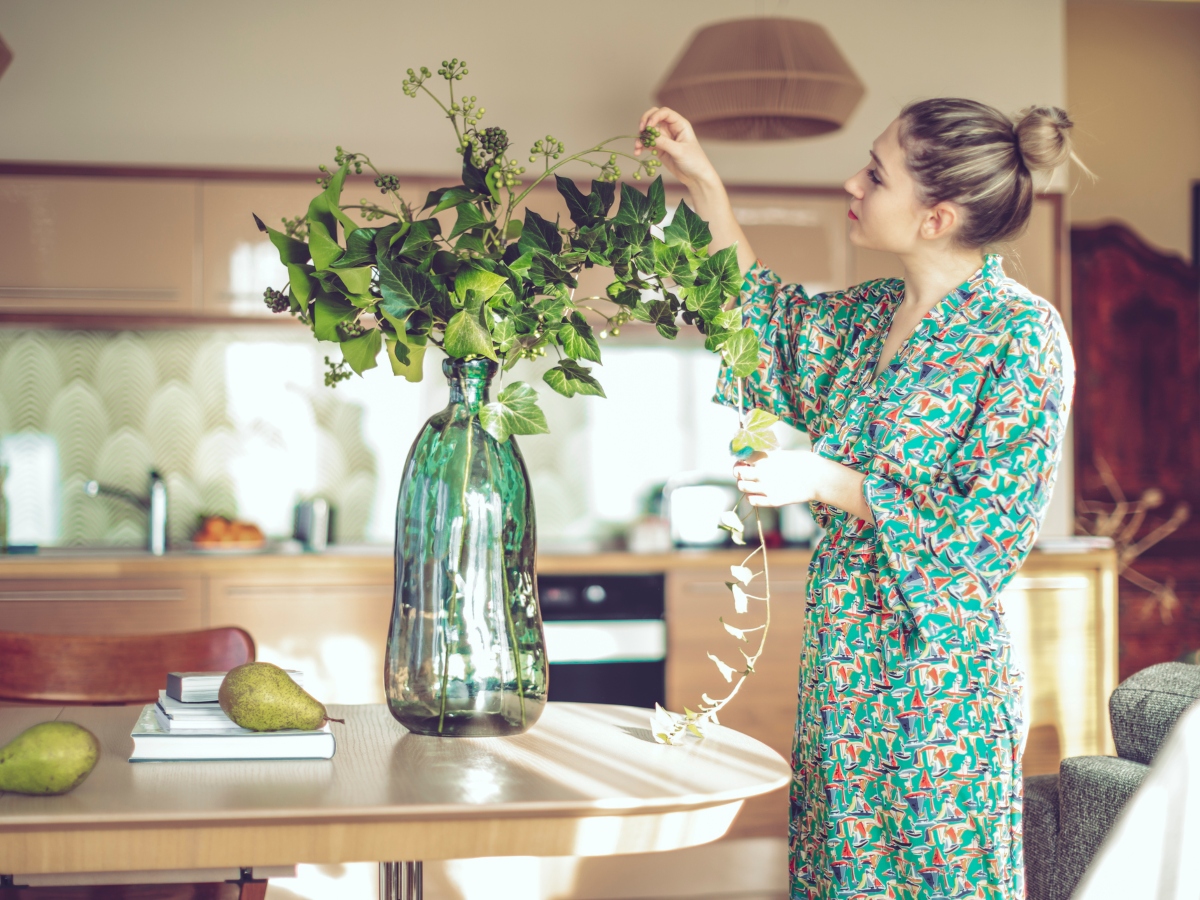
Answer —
762 79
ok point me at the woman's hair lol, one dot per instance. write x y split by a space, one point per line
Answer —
971 154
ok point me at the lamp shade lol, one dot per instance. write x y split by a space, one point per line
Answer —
762 79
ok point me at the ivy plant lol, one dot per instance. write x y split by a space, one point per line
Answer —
464 273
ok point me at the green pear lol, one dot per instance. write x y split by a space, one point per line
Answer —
262 697
49 758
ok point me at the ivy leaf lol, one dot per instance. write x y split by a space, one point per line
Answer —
704 299
622 295
570 378
471 242
325 250
467 336
514 411
360 249
634 208
723 269
671 262
658 313
419 235
657 198
480 280
357 282
469 216
360 352
539 234
688 229
756 434
583 210
405 287
727 671
412 364
332 197
739 598
328 313
605 192
742 573
444 198
546 271
730 522
578 339
741 352
736 632
474 177
290 250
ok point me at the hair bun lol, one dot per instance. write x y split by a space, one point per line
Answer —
1042 137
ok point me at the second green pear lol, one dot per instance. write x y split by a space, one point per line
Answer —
49 758
262 697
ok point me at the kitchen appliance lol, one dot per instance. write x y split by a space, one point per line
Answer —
694 503
606 637
312 524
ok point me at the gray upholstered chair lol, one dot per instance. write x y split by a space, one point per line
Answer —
1067 815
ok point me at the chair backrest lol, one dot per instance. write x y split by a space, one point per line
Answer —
111 669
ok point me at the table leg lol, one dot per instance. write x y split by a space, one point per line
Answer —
400 881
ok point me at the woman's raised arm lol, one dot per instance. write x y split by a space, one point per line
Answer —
681 153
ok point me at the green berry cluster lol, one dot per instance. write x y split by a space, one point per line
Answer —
387 183
296 228
454 70
369 211
277 301
649 136
610 171
549 147
413 82
508 173
336 371
467 109
493 141
341 157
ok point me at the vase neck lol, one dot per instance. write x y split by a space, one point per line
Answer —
470 381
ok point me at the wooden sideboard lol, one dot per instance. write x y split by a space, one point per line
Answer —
328 615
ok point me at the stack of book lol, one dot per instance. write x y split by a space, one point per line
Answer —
187 723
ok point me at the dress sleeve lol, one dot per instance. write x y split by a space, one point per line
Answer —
800 349
945 549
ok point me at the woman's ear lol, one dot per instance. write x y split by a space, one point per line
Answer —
940 221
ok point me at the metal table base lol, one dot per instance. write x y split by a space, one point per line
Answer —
400 881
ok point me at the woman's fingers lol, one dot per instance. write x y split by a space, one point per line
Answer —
750 488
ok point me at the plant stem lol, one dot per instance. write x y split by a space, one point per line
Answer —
462 556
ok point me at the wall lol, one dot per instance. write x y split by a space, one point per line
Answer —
277 83
1133 84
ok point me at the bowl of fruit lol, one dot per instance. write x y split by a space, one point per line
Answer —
219 534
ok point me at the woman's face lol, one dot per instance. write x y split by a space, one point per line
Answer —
885 210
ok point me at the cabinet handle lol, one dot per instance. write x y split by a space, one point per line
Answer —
165 595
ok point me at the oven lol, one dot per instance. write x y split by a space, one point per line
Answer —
605 637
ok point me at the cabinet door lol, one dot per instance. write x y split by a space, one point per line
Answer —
101 606
239 260
97 245
333 630
765 708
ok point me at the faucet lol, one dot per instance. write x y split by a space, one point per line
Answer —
155 507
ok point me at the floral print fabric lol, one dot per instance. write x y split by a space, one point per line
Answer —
906 762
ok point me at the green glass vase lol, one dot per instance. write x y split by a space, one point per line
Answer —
466 654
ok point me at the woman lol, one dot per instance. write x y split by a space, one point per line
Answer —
937 406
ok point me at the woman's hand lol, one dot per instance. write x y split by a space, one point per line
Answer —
677 147
780 477
681 153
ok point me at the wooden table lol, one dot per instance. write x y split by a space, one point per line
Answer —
587 780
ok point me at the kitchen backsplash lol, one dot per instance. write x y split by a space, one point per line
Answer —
240 423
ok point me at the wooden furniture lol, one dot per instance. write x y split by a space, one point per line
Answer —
328 616
1137 407
587 780
65 232
111 669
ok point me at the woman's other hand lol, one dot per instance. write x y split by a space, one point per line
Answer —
780 477
677 147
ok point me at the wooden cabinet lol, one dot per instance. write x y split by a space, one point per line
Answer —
333 628
239 261
109 606
97 246
765 707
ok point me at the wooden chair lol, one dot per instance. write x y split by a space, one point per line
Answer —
98 670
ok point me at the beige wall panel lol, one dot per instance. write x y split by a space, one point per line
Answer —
101 606
333 630
97 245
765 708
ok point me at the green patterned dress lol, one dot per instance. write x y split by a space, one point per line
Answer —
909 731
